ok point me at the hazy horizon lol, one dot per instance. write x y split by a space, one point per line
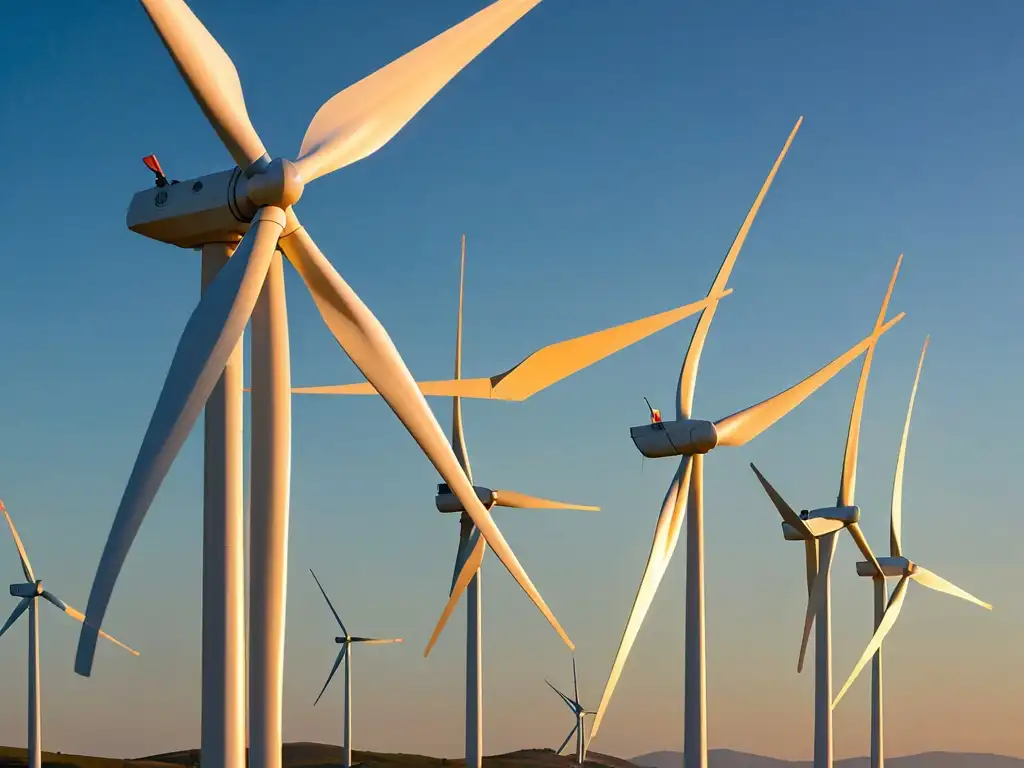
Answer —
599 160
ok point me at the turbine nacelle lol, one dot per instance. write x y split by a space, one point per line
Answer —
341 640
27 590
821 522
683 437
446 501
892 567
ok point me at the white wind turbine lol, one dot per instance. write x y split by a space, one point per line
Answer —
254 200
818 530
690 439
30 592
345 654
894 566
580 729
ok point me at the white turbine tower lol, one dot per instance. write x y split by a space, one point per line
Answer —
30 592
894 566
580 729
536 372
818 530
254 201
345 654
690 439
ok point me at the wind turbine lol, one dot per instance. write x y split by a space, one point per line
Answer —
818 530
254 200
894 566
30 592
691 439
580 729
345 653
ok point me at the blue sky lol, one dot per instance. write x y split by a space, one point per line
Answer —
600 157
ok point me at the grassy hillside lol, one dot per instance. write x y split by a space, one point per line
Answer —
312 755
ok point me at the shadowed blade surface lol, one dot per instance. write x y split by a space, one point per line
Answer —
566 699
688 374
745 425
516 500
458 434
575 684
337 663
80 617
815 600
896 518
365 116
26 566
571 734
15 614
547 366
467 540
848 479
209 338
892 612
666 535
329 603
811 562
209 74
932 580
786 511
862 545
368 345
465 575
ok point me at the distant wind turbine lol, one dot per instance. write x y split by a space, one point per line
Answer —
690 439
894 566
346 654
30 592
580 729
818 530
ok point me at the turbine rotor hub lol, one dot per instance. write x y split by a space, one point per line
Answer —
279 185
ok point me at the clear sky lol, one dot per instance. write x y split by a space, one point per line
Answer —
600 157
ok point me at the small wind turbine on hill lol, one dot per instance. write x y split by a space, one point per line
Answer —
894 566
30 592
818 530
580 729
690 439
254 202
346 642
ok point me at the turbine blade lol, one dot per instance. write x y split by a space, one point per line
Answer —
469 569
745 425
575 684
547 366
811 562
562 696
376 640
666 535
518 500
329 603
688 374
571 734
932 580
337 663
848 479
80 617
368 345
26 566
814 603
467 541
862 545
15 614
896 519
209 338
365 116
892 612
458 434
211 76
786 511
